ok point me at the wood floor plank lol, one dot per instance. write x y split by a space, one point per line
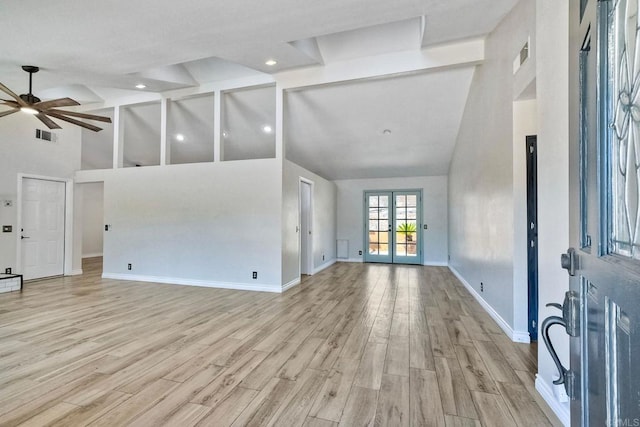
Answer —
300 359
425 407
528 380
334 394
474 370
453 421
319 422
141 402
492 409
397 360
264 406
420 354
369 374
360 409
393 402
214 392
455 395
495 362
226 412
354 344
296 406
523 407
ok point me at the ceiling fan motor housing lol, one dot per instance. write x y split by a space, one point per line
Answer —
29 98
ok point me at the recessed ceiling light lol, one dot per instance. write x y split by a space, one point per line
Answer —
267 129
180 137
271 62
141 86
29 110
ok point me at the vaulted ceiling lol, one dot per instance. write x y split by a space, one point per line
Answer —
98 50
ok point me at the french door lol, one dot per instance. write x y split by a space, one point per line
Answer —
602 308
393 223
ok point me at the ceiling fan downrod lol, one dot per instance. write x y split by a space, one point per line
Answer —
30 97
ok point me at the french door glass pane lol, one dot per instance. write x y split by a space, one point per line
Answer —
406 225
378 225
625 155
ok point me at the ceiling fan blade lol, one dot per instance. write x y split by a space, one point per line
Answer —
6 113
60 102
74 121
11 94
81 115
47 121
12 104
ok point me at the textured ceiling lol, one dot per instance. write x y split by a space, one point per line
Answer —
98 50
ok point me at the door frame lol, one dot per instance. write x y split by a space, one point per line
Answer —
310 268
68 220
532 247
419 222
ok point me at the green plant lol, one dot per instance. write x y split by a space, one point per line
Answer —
407 227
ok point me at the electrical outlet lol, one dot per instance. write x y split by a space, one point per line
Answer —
359 252
425 226
106 227
128 266
255 274
481 287
323 257
7 270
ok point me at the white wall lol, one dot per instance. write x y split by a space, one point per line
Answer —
553 174
434 213
209 224
481 175
525 121
92 219
324 225
21 152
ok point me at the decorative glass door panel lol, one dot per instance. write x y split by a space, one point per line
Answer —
603 382
393 227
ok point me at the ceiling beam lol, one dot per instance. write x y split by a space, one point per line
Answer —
465 53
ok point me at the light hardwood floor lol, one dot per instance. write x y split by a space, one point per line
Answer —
354 345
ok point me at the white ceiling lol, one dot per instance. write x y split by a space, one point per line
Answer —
338 131
94 50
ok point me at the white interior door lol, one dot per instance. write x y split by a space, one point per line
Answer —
43 204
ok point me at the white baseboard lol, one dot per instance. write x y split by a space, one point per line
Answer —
516 336
435 264
350 260
92 255
194 282
291 284
560 409
76 272
324 266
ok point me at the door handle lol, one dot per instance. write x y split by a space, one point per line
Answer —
570 320
568 261
546 324
24 237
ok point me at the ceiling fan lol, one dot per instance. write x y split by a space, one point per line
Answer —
44 110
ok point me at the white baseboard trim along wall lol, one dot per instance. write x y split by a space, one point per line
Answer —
561 409
324 266
291 284
516 336
193 282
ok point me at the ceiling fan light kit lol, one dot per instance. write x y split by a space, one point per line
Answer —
44 110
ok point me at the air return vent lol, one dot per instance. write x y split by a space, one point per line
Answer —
46 135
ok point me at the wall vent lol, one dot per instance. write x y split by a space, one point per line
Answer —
46 135
522 56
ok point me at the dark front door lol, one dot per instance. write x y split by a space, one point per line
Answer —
604 377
